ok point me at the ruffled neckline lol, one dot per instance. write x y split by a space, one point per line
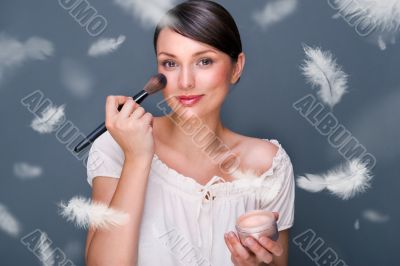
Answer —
183 179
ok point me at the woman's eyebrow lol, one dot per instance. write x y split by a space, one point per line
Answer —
195 54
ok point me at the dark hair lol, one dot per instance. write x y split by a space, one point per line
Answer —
204 21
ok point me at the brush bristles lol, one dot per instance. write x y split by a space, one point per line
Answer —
156 83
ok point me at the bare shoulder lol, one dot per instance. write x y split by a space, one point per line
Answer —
256 153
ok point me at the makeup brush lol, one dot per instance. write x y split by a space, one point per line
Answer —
155 84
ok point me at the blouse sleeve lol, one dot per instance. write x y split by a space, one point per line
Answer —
105 158
283 202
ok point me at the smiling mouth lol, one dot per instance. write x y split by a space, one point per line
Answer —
189 100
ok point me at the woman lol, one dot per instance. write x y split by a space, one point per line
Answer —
182 203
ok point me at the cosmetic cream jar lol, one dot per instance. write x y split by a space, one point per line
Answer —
257 223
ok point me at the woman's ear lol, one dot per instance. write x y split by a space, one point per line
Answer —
238 68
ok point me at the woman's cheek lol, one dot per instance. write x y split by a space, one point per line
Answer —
209 80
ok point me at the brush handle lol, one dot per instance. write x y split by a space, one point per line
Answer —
138 98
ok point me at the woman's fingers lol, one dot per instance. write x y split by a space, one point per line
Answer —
238 251
258 251
235 257
138 112
128 108
261 253
112 103
276 215
147 118
272 246
227 243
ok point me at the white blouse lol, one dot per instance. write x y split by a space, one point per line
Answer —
180 226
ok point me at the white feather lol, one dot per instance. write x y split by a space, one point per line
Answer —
50 119
312 183
275 12
381 43
14 53
322 71
265 187
27 171
45 252
248 174
357 224
375 217
148 11
95 214
345 181
8 223
349 179
105 46
382 16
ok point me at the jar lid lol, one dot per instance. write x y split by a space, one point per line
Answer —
256 221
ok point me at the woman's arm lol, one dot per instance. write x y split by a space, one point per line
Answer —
103 189
119 245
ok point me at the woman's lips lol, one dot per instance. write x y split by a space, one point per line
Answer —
189 100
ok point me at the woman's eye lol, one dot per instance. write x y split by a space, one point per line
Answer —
168 64
206 61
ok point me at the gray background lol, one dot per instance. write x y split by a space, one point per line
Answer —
260 106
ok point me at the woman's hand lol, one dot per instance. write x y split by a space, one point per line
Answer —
131 127
257 252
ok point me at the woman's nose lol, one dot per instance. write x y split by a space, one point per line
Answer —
186 78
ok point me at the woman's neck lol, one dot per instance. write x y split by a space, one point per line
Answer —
183 136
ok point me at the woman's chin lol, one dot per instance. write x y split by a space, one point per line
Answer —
188 113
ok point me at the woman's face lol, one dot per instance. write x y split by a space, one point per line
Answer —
193 68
